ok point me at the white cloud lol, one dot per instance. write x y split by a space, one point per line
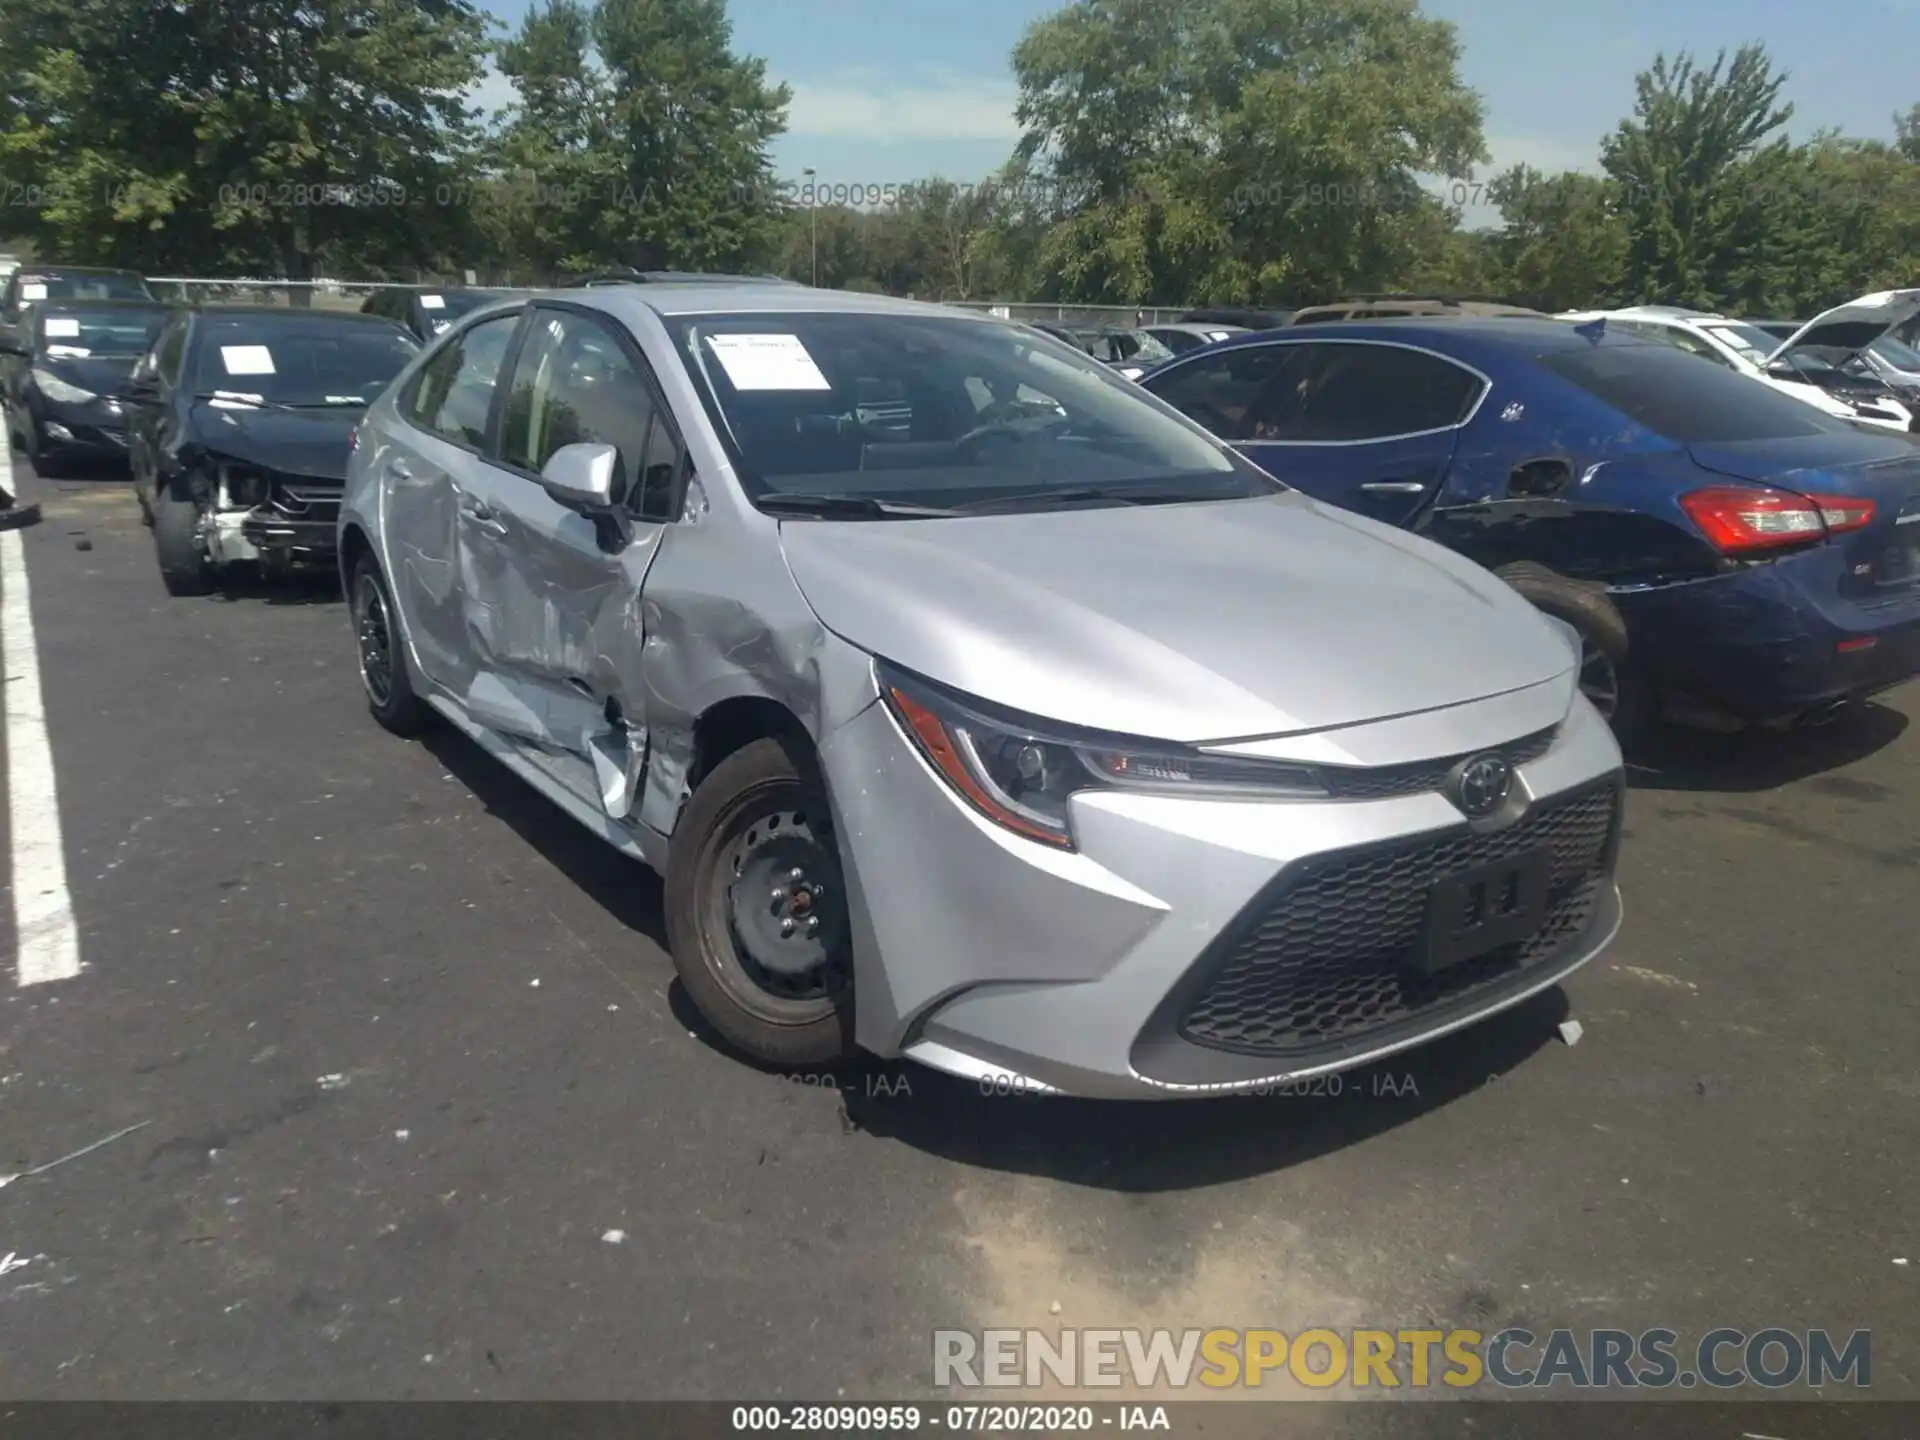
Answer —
872 105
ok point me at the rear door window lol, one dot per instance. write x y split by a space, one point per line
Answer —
453 394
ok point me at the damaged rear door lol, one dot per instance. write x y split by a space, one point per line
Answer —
553 598
420 463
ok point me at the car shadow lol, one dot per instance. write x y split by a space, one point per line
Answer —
1756 760
1149 1146
316 586
623 887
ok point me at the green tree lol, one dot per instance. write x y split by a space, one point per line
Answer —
1699 149
1562 244
272 134
1238 149
692 122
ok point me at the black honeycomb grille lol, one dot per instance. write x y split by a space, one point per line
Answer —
1326 962
1386 782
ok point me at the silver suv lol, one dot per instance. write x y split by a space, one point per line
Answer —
976 706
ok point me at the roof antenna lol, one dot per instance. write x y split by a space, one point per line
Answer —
1593 329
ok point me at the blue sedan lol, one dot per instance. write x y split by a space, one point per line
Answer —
1728 553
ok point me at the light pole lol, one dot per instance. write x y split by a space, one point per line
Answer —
813 222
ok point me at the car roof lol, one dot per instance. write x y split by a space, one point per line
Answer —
29 272
1464 336
752 297
286 312
116 302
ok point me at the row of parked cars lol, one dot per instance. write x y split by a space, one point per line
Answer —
977 704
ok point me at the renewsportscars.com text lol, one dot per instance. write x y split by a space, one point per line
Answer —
1723 1359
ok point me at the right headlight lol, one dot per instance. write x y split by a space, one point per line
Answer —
1020 772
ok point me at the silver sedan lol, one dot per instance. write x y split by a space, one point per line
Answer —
975 705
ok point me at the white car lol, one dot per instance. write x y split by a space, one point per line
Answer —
1743 346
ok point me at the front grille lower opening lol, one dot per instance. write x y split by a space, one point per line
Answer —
1324 962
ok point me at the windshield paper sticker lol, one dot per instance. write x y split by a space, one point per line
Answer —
247 359
59 325
33 290
433 302
767 362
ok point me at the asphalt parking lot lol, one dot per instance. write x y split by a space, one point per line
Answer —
422 1113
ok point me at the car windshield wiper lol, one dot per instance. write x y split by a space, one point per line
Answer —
240 397
853 507
1121 494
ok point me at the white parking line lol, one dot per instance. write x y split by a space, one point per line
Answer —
46 944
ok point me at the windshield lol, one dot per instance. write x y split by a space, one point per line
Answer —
443 307
306 362
38 286
1672 394
935 411
83 334
1750 340
1897 353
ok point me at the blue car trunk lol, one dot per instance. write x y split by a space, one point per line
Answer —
1883 556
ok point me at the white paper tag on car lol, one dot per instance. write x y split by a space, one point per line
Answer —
68 352
33 290
59 325
767 362
433 302
247 359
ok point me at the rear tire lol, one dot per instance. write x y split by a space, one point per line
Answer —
385 672
773 975
1608 676
184 566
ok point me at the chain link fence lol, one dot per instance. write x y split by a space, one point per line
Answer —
352 294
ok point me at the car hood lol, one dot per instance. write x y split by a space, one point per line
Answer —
314 443
1189 623
101 374
1854 326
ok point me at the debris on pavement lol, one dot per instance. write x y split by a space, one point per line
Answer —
332 1082
83 1150
1571 1032
533 984
615 1237
401 1135
12 1262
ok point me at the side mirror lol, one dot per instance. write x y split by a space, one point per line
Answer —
584 477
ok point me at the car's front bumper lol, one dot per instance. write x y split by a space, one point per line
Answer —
1190 947
91 427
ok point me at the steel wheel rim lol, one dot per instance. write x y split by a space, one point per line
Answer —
788 956
1599 679
376 640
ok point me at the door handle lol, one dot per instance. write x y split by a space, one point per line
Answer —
483 515
399 470
1394 487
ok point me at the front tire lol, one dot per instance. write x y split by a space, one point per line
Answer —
385 673
756 908
1609 678
185 568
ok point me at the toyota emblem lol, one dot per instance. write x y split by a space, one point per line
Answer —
1481 784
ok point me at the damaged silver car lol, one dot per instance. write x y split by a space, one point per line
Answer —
976 706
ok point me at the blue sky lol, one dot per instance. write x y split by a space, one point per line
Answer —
896 90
